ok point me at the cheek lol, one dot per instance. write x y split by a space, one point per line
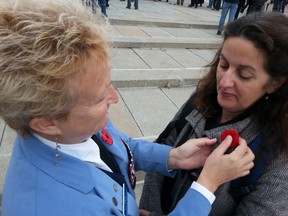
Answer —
219 76
99 113
250 95
96 121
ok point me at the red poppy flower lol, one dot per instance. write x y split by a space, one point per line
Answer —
106 137
235 137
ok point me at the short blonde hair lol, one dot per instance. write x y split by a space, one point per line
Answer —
43 43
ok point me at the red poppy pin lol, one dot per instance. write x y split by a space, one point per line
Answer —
235 137
106 137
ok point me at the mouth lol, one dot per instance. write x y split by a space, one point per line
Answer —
226 94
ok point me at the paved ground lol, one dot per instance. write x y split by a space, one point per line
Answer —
158 54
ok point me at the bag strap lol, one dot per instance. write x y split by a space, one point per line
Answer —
242 186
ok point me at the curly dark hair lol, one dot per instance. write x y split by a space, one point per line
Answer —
269 33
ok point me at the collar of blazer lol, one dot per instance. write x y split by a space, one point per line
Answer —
71 171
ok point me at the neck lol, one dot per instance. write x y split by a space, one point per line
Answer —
227 116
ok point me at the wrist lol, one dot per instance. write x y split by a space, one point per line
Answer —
208 182
204 191
172 161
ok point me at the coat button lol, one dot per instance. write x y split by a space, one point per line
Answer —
114 200
115 187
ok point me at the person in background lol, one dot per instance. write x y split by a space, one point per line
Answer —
241 8
195 3
68 159
245 89
255 6
228 6
178 2
283 6
216 5
210 4
103 5
136 3
93 4
278 5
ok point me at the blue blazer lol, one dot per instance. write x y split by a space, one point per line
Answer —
36 186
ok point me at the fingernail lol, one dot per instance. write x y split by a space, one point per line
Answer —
229 137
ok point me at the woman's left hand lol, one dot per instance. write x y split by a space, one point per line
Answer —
192 154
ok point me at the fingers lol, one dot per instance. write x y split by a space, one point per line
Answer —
222 148
210 141
244 156
246 170
248 160
204 141
242 150
228 166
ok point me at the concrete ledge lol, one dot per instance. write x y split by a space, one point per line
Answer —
155 77
184 43
163 23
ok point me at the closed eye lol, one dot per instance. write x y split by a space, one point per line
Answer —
224 66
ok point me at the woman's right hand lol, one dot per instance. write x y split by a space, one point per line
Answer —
220 167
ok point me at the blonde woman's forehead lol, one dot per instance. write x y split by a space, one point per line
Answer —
91 71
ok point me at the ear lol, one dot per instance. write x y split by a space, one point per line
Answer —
43 125
275 84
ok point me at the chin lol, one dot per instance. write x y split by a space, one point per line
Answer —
225 100
224 104
103 124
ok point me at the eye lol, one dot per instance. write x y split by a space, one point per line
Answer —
245 75
223 64
245 78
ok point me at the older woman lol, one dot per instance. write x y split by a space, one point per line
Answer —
68 159
245 89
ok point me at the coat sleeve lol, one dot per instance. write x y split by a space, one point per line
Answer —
193 203
148 156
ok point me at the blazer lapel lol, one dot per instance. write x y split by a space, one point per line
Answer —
107 156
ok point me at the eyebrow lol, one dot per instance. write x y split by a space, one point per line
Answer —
241 65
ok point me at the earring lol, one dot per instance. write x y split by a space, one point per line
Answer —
266 96
57 152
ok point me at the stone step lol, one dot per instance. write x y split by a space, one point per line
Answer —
177 77
183 43
162 23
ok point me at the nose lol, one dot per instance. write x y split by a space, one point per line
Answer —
227 79
113 96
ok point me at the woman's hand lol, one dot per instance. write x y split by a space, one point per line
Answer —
192 154
220 167
143 212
